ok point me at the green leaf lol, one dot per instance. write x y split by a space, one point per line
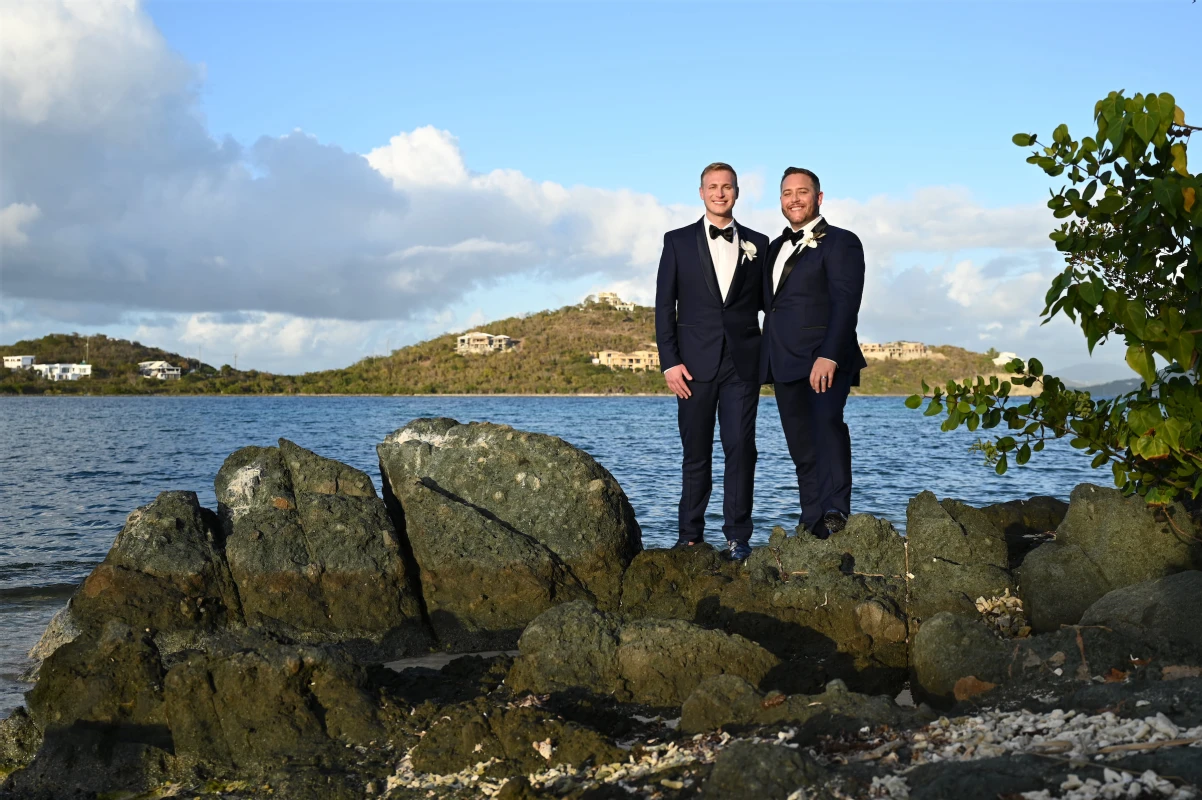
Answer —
1140 360
1098 460
1024 454
1000 469
1145 126
914 400
1034 367
1023 139
1179 160
925 388
934 408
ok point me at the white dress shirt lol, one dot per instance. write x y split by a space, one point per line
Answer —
787 250
778 268
725 254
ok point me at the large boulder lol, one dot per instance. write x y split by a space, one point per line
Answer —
1166 611
165 573
314 553
19 740
1105 542
482 581
956 555
652 661
677 583
269 706
534 486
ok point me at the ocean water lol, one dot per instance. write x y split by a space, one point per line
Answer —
72 468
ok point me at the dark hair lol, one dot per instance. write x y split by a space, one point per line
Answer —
802 171
718 166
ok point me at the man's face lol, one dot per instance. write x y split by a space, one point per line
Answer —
719 192
798 202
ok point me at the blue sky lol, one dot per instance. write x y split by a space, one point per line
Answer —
192 174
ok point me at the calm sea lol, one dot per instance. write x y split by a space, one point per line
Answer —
71 469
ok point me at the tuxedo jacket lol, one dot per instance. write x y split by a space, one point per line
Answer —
692 322
814 310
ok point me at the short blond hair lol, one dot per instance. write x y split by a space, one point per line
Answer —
718 166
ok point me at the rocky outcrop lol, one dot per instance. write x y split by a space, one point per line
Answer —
656 662
1105 542
956 555
949 648
314 554
553 503
272 706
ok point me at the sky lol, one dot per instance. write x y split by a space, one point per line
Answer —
299 185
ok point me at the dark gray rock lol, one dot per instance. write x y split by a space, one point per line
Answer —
656 662
271 706
537 485
1166 611
314 553
956 555
1058 582
165 573
949 647
684 583
1121 538
729 700
1026 523
482 581
761 771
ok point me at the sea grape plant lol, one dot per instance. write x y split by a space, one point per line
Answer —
1132 211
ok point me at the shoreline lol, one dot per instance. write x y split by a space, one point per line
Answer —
616 396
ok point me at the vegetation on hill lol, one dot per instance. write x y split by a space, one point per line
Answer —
555 357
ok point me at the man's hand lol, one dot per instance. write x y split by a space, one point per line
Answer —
677 379
823 374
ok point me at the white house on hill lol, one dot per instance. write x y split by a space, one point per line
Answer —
158 369
63 372
18 362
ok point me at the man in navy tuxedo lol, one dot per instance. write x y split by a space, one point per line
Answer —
708 297
813 282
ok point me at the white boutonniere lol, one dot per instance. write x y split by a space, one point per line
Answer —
811 239
748 249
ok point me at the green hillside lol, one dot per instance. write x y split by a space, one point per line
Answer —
555 357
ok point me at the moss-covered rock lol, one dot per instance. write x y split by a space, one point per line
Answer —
533 484
1105 542
761 771
1166 611
314 553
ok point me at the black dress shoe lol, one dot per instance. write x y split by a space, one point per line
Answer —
685 544
737 551
834 521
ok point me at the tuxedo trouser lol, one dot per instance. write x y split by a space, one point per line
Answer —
735 402
820 445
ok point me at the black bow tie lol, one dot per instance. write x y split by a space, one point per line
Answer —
794 236
727 233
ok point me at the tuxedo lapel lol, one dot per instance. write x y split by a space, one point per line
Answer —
741 267
796 257
707 262
769 266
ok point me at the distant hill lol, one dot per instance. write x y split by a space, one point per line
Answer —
554 357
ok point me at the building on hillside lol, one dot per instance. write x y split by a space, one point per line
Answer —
158 369
1004 358
480 343
63 372
638 361
18 362
611 299
894 351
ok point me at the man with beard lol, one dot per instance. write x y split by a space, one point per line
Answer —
813 284
707 303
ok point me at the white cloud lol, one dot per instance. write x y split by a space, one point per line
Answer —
13 218
425 157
